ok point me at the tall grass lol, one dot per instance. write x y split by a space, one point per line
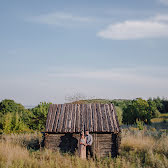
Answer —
138 149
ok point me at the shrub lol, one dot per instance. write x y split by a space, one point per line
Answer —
119 114
140 109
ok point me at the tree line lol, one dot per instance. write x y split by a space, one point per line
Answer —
15 118
131 111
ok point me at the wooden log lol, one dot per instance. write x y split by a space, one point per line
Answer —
57 118
60 122
78 119
48 117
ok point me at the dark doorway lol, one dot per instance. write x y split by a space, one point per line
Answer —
68 143
114 147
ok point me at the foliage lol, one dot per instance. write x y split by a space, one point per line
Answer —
39 116
140 109
140 124
14 117
119 114
154 112
13 123
165 106
138 150
122 103
7 126
9 106
162 104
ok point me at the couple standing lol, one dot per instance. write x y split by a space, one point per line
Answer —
85 145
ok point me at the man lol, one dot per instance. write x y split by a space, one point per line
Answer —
89 141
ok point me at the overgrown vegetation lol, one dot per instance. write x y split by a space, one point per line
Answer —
14 118
139 148
141 145
131 111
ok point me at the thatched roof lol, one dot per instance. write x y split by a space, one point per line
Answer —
64 118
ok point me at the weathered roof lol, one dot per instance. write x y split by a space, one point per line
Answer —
63 118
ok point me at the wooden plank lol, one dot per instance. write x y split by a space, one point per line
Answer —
116 118
101 118
113 117
78 118
52 118
104 117
92 110
64 124
100 123
57 117
109 116
75 118
85 117
95 118
89 112
70 118
68 111
81 126
48 117
60 122
98 118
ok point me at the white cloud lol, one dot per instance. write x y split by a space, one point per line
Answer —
59 19
54 83
137 29
160 17
146 76
165 2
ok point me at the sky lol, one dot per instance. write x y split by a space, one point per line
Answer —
52 50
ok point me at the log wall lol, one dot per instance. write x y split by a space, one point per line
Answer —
103 144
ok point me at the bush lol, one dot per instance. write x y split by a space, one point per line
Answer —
140 124
119 114
140 109
39 116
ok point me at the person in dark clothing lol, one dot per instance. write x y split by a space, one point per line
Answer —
89 141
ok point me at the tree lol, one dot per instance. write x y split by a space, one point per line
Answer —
159 104
8 106
14 117
119 114
7 123
141 110
154 112
39 116
122 103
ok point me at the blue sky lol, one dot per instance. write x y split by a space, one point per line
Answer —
50 50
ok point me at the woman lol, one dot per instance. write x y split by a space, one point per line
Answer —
82 149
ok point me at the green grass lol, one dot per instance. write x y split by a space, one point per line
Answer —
102 101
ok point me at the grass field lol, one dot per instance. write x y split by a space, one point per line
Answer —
139 148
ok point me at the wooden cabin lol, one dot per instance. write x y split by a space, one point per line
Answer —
66 121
